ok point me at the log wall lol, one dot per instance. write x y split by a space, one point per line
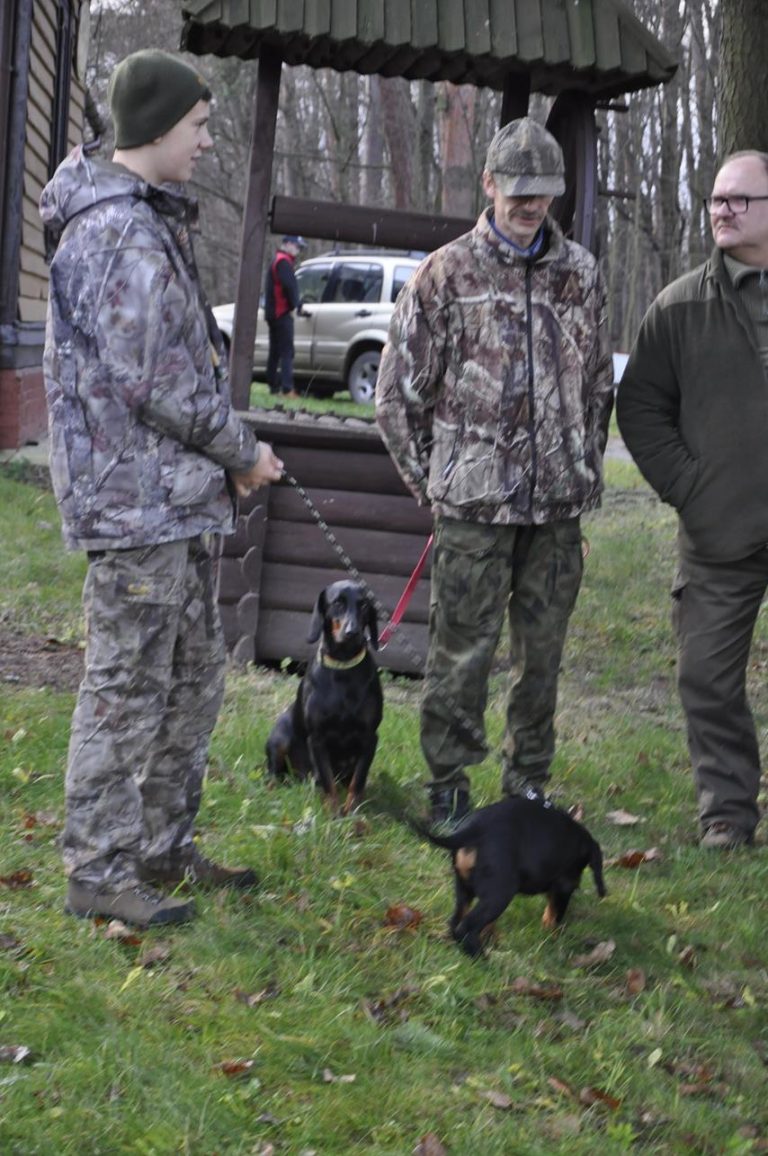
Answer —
275 565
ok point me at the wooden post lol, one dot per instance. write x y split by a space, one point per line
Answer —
255 216
572 122
514 100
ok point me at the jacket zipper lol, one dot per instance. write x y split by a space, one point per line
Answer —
531 425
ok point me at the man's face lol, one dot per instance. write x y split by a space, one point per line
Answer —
184 144
518 218
742 235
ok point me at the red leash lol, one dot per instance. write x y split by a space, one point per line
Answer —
405 597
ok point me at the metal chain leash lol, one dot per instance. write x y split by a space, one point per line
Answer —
464 721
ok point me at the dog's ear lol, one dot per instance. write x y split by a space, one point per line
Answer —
372 622
318 617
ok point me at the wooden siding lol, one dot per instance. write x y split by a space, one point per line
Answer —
597 46
279 559
33 278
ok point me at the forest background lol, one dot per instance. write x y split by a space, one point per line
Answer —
368 140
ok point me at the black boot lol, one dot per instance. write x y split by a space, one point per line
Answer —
449 806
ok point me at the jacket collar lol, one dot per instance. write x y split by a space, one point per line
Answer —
554 242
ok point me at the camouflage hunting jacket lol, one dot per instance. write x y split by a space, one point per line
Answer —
142 429
495 387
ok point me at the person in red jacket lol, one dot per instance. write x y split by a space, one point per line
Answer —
281 300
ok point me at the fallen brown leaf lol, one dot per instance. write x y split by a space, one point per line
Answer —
117 930
152 956
703 1089
330 1078
253 999
429 1145
635 981
498 1100
235 1068
380 1010
576 811
570 1020
601 953
635 858
590 1096
687 957
17 880
561 1087
623 818
523 986
401 916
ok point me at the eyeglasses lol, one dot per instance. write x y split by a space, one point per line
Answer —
735 205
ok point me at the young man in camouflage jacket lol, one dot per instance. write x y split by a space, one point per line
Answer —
493 396
146 453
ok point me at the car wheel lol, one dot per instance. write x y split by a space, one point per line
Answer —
361 379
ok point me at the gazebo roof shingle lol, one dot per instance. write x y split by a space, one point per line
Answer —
596 46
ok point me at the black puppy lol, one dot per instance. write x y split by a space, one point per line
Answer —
330 732
517 846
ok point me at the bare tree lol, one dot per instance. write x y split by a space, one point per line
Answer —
742 76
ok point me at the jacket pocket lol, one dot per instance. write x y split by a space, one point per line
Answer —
195 480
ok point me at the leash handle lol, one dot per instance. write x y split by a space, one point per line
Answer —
405 597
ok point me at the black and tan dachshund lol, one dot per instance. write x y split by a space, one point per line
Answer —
515 847
331 731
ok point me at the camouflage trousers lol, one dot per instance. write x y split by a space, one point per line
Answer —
149 700
479 574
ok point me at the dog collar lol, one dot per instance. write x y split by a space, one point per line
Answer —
341 664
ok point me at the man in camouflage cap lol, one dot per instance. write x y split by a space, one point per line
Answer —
146 453
493 396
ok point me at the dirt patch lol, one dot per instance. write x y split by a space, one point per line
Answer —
31 660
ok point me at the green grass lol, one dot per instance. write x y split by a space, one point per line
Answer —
347 1035
341 403
40 582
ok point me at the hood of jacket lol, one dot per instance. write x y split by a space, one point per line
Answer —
82 182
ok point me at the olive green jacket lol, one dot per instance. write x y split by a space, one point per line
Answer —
692 408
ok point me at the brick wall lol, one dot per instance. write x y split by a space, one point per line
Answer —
23 415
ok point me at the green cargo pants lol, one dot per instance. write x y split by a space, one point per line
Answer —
715 608
479 574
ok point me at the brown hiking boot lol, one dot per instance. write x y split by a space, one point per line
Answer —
195 868
139 905
725 837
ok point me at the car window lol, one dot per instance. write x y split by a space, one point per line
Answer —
312 281
356 282
399 278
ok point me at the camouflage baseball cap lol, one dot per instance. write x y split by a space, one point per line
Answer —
526 160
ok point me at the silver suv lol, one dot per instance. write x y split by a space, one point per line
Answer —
348 298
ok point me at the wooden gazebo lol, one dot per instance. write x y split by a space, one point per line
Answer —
582 52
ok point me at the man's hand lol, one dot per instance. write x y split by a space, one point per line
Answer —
267 469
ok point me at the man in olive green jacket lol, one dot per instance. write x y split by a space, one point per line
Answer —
693 410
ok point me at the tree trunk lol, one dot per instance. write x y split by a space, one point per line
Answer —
458 121
743 123
398 118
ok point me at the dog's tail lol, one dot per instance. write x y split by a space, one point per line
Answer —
401 806
451 840
596 863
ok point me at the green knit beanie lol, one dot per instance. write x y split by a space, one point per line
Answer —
149 92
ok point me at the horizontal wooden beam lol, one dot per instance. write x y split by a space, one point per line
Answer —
356 224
